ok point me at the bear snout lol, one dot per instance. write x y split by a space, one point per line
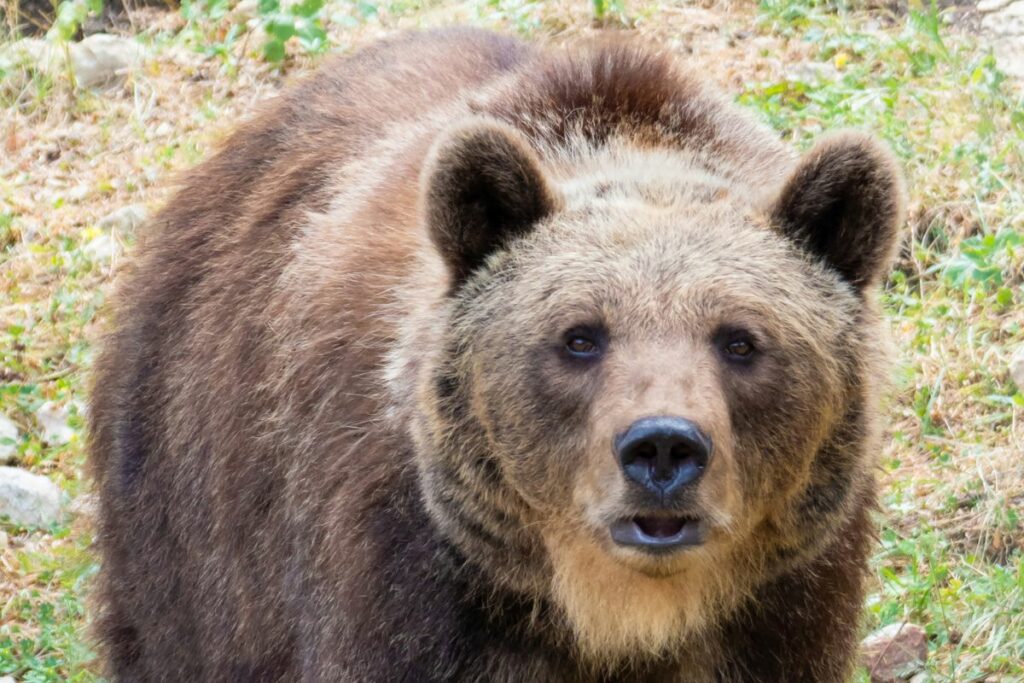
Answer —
663 455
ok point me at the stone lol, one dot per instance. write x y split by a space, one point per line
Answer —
986 6
101 248
53 423
8 439
1017 369
24 52
124 221
1004 29
102 59
894 653
28 499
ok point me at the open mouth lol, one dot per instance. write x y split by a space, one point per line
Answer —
658 534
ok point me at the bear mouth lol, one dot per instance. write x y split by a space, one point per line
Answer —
658 534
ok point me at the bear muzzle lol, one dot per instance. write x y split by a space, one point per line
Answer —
663 459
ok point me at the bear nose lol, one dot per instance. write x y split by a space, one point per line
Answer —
663 454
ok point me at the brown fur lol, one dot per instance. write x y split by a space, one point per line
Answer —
335 438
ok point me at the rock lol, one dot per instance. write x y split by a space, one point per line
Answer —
101 248
7 679
28 499
78 192
8 440
1004 28
124 221
986 6
101 59
53 423
894 653
1017 369
25 52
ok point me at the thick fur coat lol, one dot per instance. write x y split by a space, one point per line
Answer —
338 435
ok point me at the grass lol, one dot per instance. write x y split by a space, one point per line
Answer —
950 557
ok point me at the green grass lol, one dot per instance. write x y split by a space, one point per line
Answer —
950 552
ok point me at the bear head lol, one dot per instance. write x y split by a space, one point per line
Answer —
645 391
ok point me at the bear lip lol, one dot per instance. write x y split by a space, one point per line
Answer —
657 533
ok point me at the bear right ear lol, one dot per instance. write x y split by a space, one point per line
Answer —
844 204
483 187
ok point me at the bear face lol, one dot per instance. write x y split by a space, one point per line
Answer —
643 385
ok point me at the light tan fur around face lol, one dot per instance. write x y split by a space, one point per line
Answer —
619 613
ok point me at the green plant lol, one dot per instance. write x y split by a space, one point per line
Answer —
303 21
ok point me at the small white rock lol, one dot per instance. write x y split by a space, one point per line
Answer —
992 5
28 499
27 51
8 442
124 221
1017 369
53 423
7 679
101 248
101 59
78 192
1007 21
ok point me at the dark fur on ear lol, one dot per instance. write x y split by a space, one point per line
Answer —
483 187
845 203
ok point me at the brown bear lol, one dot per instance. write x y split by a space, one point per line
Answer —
468 360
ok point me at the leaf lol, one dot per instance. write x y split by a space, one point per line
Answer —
268 6
273 50
312 36
307 8
282 27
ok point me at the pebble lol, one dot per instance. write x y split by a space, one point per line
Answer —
28 499
894 653
102 59
1017 369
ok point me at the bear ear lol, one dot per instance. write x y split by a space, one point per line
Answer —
844 203
483 187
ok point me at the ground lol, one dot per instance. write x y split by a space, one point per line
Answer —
951 556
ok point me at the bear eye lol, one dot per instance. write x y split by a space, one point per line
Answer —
738 346
583 343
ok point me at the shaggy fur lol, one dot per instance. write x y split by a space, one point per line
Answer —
336 435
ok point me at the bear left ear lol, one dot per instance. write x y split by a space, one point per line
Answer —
844 203
483 187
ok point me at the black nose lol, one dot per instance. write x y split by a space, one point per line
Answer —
663 454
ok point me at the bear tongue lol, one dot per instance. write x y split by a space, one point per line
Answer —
660 527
